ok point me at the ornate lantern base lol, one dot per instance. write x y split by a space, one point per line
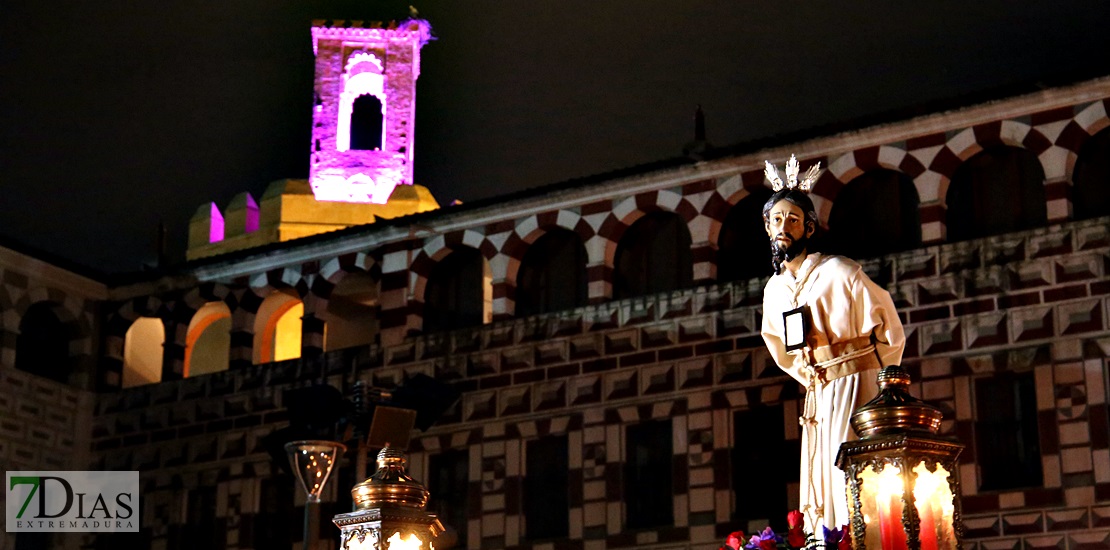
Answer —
397 529
901 490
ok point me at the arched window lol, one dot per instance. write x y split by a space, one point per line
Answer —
208 340
458 293
1091 179
875 214
351 318
277 327
743 249
653 256
366 123
552 275
142 352
42 346
997 191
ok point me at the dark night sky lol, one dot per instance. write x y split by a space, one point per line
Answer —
117 115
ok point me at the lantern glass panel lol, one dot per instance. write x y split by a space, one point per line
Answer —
933 498
352 540
369 541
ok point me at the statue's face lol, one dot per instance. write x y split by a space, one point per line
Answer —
786 225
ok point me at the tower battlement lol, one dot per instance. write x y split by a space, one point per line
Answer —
360 166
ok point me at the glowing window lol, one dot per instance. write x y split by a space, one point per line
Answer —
277 328
208 340
142 352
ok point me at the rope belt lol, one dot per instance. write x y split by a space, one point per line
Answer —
823 365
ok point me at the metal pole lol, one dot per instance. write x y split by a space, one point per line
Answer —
311 521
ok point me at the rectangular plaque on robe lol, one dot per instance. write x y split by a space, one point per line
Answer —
796 326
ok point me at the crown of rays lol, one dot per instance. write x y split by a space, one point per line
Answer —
792 169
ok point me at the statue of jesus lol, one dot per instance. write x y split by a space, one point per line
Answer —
830 327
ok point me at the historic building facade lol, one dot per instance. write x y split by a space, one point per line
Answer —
604 336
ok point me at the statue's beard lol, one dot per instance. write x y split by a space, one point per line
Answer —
781 254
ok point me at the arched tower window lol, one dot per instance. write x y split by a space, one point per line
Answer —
552 275
875 214
366 123
42 346
277 327
352 314
142 352
996 191
1091 179
458 293
208 340
653 256
743 249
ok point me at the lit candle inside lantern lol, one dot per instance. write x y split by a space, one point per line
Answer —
889 504
928 525
933 498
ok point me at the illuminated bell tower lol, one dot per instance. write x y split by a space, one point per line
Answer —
365 109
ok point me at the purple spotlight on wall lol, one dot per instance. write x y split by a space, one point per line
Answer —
357 153
216 225
250 220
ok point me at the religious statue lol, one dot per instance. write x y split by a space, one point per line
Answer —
830 327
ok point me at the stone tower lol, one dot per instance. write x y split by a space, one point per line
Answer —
365 109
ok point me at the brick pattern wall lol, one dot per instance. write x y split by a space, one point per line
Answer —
44 425
1055 136
1034 301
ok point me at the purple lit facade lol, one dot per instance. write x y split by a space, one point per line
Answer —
352 63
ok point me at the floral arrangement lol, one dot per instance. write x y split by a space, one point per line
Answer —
795 539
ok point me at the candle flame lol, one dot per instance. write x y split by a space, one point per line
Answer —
411 542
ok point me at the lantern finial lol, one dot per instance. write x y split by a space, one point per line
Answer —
391 485
894 410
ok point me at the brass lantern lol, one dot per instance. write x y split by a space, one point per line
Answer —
389 510
902 477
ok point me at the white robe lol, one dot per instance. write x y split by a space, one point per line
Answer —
844 304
